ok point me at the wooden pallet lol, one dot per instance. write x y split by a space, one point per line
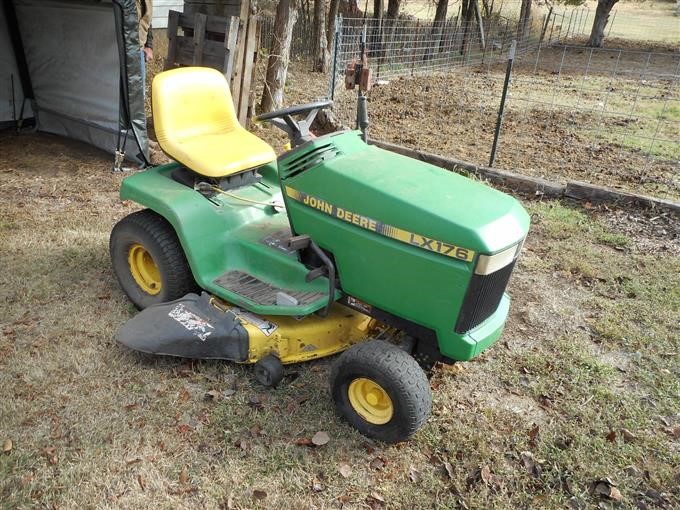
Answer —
227 44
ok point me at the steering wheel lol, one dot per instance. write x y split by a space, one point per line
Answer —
297 130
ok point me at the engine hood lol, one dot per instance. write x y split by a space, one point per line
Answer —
404 193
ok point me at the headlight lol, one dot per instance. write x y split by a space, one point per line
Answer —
487 264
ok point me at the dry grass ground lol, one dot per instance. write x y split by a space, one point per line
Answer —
582 387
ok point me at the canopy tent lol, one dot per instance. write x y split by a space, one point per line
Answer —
75 66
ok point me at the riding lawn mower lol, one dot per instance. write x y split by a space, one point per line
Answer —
336 245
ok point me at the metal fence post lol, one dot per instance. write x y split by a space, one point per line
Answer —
501 109
571 15
336 44
612 23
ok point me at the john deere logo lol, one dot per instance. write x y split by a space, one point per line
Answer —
425 243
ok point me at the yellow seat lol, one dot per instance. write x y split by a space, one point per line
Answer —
196 124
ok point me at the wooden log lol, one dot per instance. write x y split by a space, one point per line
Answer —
593 193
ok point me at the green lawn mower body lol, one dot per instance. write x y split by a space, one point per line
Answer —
414 246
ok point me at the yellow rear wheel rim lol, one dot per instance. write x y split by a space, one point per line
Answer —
370 401
144 269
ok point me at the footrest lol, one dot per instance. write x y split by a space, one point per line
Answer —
261 292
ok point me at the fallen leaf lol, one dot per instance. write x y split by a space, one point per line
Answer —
376 498
229 392
50 453
183 428
529 462
611 437
320 438
184 476
533 435
607 488
631 471
259 494
628 436
141 482
7 446
256 431
414 475
449 469
304 441
369 448
184 395
317 485
130 462
345 470
212 395
673 431
485 474
378 463
256 401
615 494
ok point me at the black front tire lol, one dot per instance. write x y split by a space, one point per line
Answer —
269 371
158 238
397 374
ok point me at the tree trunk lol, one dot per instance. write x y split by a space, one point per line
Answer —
330 23
279 55
524 17
350 8
604 7
437 28
467 12
440 13
488 8
393 7
375 38
321 56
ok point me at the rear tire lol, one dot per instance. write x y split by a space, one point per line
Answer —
381 391
148 260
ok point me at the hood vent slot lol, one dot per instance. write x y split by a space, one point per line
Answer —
310 159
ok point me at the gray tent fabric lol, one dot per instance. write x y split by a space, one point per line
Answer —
84 70
11 92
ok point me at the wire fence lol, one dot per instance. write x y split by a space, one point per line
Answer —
399 48
609 116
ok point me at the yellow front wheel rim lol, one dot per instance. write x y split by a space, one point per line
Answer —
144 269
370 401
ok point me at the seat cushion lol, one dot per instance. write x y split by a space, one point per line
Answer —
196 124
222 154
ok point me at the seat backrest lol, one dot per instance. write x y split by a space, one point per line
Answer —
189 102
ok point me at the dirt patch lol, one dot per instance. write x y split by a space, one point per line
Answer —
444 114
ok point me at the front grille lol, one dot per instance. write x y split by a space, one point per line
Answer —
482 298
